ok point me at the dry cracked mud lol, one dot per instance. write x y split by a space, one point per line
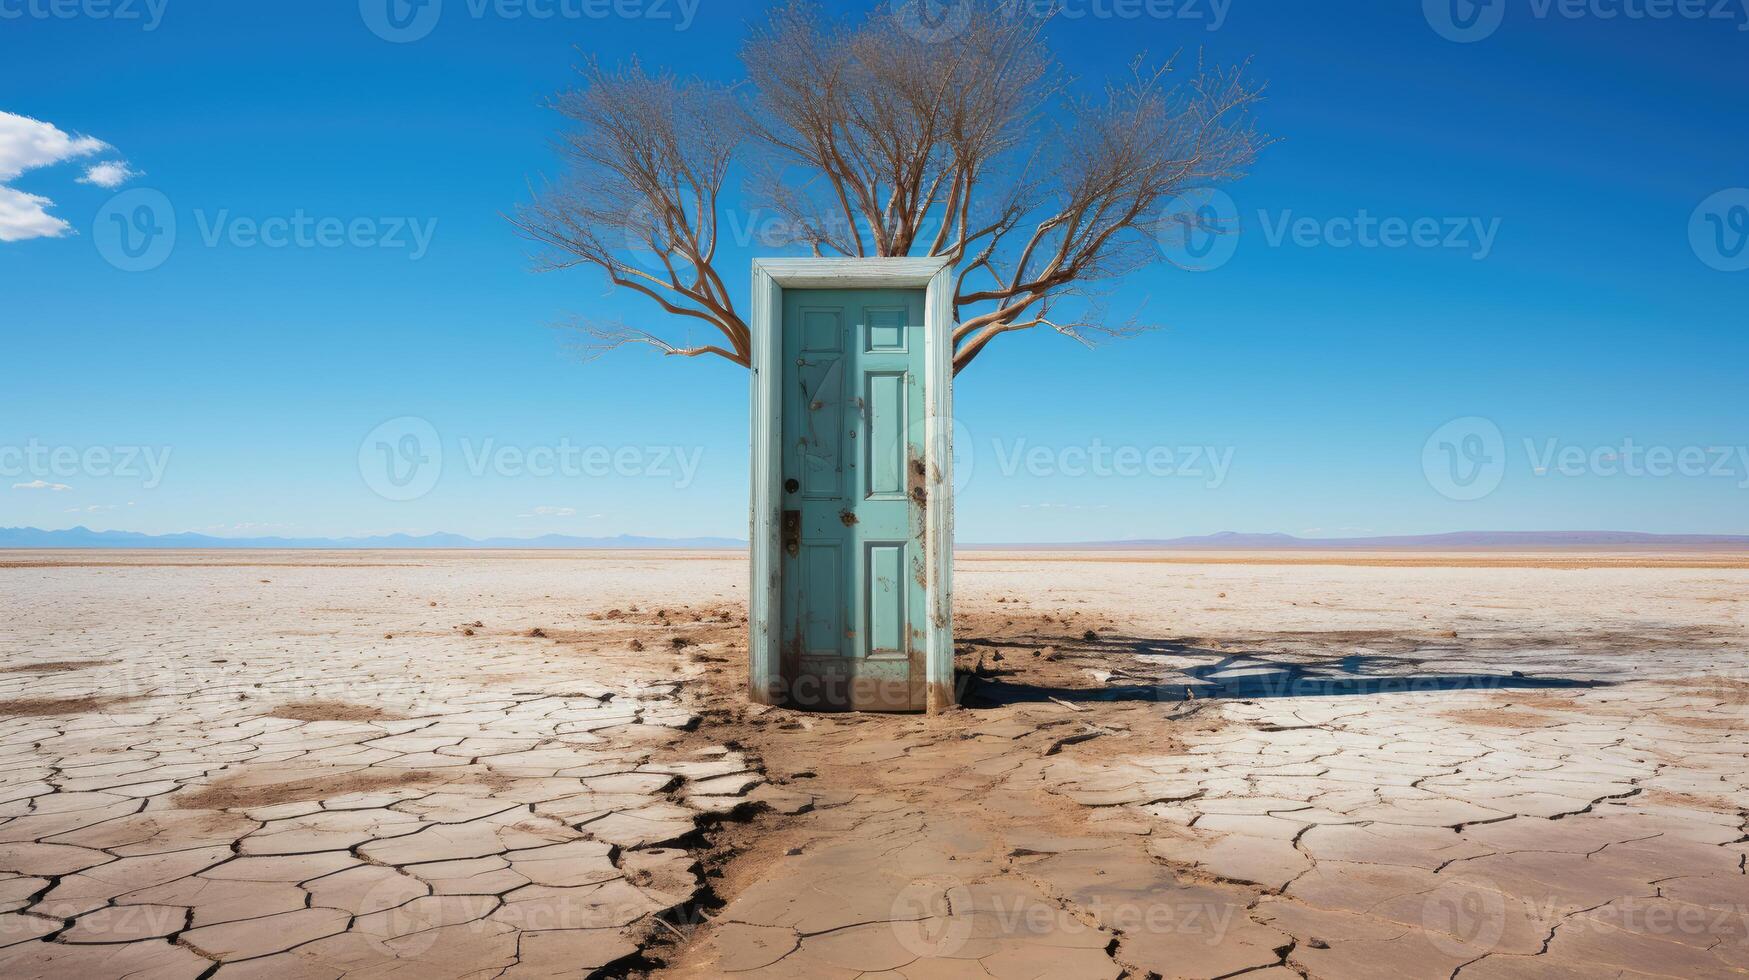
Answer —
448 765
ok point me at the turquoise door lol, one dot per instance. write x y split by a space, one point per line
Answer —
852 562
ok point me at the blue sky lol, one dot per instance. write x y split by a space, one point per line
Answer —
1564 308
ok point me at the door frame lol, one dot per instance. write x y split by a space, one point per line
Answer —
766 683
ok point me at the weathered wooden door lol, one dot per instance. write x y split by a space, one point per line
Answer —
854 615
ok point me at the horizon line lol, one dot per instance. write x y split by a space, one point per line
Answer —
81 537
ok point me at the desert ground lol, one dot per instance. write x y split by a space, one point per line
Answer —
431 765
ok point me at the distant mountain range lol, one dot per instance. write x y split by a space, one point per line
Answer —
1454 541
81 537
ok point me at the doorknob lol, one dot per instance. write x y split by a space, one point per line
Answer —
792 532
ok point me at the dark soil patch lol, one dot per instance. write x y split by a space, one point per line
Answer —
42 707
325 710
676 629
1546 702
1731 690
53 666
1689 801
1501 718
1706 724
229 795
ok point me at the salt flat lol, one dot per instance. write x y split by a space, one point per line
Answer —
530 764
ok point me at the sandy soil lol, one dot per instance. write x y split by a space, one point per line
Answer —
538 764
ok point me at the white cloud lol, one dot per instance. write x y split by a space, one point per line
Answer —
29 144
26 144
25 216
109 174
551 512
41 485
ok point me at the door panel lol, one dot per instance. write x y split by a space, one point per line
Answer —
888 429
822 633
820 381
885 601
853 598
886 330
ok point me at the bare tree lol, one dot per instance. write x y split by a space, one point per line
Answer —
877 138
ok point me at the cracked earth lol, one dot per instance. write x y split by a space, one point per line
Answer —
441 765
